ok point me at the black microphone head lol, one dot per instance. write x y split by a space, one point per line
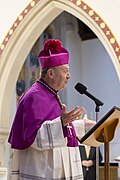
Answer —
80 88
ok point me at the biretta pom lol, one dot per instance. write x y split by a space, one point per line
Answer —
53 45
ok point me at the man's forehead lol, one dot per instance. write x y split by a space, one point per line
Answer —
65 66
62 67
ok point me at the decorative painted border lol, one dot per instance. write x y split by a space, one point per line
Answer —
103 26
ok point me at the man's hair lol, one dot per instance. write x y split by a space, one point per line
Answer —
44 71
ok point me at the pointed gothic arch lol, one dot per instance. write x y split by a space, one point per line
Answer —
25 35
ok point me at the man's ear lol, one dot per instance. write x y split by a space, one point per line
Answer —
50 73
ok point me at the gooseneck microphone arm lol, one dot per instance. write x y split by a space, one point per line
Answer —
97 101
83 90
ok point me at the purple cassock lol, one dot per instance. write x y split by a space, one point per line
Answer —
36 106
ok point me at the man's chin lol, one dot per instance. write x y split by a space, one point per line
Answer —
65 86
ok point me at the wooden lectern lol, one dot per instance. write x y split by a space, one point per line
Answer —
103 132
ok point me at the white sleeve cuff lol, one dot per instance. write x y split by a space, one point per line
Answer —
79 126
50 135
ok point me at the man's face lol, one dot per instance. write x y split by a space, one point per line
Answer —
61 76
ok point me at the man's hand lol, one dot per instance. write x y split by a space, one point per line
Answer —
89 122
68 117
87 163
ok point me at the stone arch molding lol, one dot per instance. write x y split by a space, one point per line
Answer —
25 31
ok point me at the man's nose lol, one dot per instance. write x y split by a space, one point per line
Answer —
68 75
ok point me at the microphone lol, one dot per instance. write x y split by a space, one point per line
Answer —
83 90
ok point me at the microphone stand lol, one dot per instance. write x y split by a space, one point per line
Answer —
97 110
